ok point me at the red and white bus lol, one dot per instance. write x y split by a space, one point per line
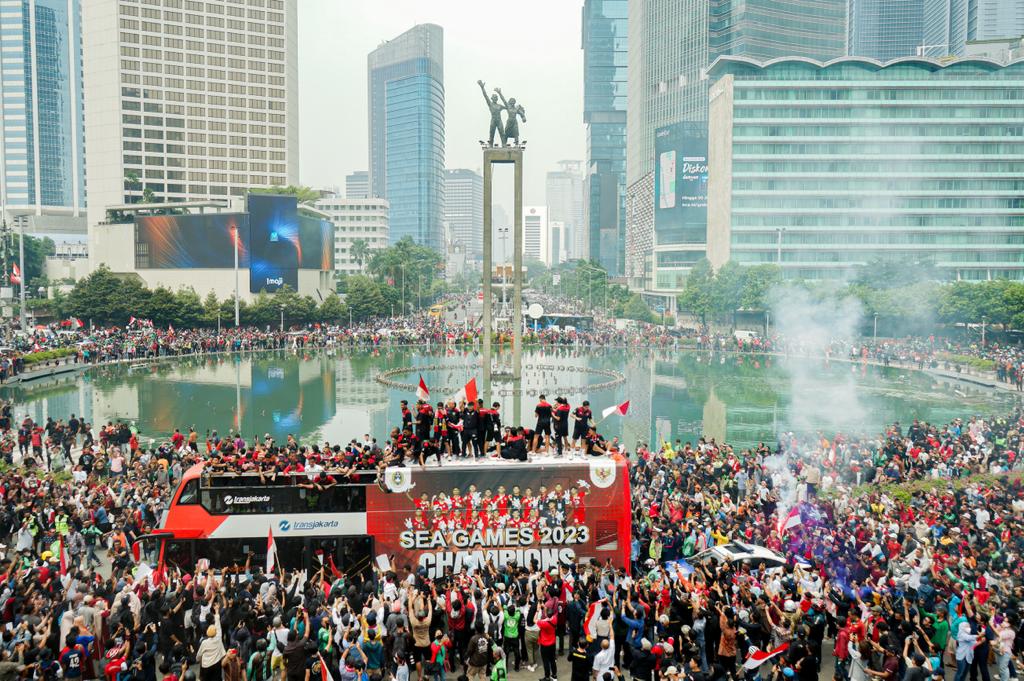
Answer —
547 512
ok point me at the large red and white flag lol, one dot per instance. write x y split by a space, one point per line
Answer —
790 521
468 393
620 409
325 674
15 273
590 621
759 657
421 392
271 551
63 557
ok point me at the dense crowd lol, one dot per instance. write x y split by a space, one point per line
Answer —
899 555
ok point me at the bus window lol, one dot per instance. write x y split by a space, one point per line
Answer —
178 552
190 493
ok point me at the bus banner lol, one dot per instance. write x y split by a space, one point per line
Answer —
543 515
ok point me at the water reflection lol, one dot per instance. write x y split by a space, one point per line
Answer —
333 396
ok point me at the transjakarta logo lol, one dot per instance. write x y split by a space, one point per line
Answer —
279 281
300 525
230 500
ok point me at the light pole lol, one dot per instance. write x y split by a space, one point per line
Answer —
21 266
874 331
403 288
984 320
503 235
234 233
282 319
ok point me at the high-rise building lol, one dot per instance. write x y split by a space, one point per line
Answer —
355 220
950 24
357 185
464 209
188 103
766 29
605 62
406 102
536 234
671 45
822 200
885 29
42 154
564 193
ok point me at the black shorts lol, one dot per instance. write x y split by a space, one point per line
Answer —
421 653
543 428
579 432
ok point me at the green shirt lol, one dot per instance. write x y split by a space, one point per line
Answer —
499 672
511 626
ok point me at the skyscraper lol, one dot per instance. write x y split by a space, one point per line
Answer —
357 185
605 61
564 198
885 29
536 234
189 103
766 29
42 155
406 107
672 44
950 24
464 209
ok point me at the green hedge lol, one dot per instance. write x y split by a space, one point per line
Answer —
968 360
47 355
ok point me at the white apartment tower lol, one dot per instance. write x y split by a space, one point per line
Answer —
197 100
356 220
536 234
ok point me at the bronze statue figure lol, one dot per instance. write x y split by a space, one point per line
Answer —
509 132
495 109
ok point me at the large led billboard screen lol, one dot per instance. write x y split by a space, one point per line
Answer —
274 242
681 183
316 241
191 241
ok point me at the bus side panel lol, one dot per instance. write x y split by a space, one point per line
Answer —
447 518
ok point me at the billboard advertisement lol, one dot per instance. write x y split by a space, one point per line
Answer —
550 514
681 183
191 241
274 242
316 242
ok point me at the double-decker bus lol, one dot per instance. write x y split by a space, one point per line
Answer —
546 512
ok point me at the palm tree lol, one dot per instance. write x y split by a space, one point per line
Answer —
359 250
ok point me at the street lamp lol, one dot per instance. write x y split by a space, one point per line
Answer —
984 320
874 332
403 288
234 241
282 318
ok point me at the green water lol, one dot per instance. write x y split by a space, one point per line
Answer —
334 396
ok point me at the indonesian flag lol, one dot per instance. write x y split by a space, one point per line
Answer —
131 321
790 521
325 675
590 621
759 657
15 275
421 392
468 392
77 322
620 408
63 557
271 551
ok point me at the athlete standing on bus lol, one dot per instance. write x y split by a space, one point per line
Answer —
543 412
581 421
561 418
470 426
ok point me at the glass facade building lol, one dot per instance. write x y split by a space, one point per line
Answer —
42 150
826 168
765 29
605 64
464 209
406 114
950 24
885 29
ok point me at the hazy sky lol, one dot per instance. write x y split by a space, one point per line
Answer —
534 56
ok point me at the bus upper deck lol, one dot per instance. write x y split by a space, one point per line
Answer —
439 517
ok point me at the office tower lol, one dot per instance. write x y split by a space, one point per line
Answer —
188 103
672 44
821 201
357 185
356 220
950 24
766 29
536 234
406 107
564 193
464 209
605 61
42 155
885 29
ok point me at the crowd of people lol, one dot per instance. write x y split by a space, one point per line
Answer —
899 554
